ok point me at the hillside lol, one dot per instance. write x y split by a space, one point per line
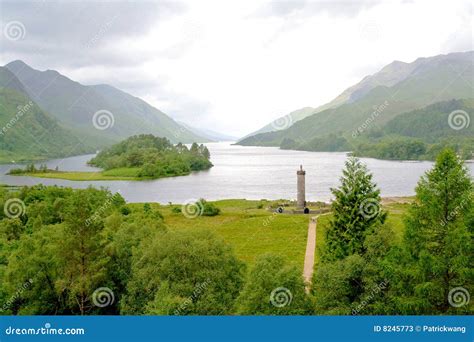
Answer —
388 76
28 133
74 105
429 80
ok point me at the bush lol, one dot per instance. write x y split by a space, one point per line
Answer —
209 209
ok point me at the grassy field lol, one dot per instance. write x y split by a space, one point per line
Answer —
123 173
83 176
252 230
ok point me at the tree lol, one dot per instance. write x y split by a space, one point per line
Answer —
438 238
356 211
187 272
274 288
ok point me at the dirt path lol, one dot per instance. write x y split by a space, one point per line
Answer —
310 250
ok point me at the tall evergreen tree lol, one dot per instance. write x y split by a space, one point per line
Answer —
438 237
356 211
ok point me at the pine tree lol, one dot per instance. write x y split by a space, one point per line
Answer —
356 211
438 236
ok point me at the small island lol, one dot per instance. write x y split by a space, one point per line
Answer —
139 157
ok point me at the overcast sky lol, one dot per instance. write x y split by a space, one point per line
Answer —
231 66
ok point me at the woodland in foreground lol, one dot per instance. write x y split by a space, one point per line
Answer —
58 246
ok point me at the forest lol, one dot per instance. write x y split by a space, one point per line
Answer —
88 252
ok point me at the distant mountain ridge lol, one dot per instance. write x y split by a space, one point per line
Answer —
209 134
74 105
388 76
403 86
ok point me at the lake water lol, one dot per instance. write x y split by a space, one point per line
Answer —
243 172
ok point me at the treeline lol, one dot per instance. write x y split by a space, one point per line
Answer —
366 269
65 251
418 135
153 157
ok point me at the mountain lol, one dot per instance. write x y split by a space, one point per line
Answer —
9 80
287 120
27 132
407 87
209 134
423 133
120 115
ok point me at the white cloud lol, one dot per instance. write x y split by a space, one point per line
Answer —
234 66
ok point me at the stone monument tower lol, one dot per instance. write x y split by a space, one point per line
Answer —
300 198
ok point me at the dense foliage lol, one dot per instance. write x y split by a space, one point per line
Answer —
420 134
418 274
64 245
65 251
356 212
153 157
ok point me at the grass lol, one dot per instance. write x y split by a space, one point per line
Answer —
249 230
122 173
79 176
252 230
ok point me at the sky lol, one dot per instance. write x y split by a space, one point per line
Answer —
230 66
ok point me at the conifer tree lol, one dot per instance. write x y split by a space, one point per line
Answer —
356 211
438 238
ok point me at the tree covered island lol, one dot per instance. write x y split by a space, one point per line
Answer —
138 157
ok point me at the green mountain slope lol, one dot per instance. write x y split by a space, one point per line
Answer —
422 133
429 80
27 132
387 76
74 105
9 80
